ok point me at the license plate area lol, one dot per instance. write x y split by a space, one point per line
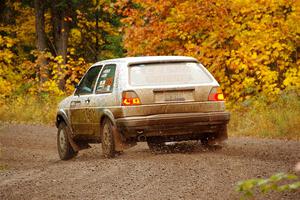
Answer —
173 96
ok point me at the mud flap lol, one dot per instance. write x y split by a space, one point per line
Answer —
220 136
73 144
120 142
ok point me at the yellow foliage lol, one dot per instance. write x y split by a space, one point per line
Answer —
292 80
251 47
7 74
72 71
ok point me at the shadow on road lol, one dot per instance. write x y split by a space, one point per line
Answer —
142 151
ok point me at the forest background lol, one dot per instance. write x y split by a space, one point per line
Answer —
251 47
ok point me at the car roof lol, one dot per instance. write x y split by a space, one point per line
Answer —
148 59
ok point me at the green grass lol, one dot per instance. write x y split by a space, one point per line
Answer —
280 119
29 109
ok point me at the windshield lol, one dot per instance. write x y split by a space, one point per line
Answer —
168 74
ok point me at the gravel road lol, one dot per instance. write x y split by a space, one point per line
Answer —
32 169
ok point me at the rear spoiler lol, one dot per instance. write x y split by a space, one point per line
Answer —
161 62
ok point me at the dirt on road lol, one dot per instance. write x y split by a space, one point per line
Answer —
31 169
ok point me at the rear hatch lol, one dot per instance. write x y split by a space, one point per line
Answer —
171 87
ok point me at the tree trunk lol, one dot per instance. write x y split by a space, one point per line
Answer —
41 42
6 13
61 29
97 34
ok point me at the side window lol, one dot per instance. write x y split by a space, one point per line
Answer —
106 80
87 84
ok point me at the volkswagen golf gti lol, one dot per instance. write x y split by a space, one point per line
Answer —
153 99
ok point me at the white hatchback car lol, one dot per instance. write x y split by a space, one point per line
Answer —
156 99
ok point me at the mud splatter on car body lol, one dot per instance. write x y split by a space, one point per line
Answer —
155 99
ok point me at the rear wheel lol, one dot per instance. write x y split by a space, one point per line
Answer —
215 139
107 139
205 141
65 150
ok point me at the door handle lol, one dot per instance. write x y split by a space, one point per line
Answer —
87 100
74 103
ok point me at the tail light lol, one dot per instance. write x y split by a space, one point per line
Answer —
216 94
130 98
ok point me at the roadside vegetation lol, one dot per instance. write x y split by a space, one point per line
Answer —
280 182
252 48
30 109
259 118
256 118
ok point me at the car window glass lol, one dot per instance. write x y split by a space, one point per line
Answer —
157 74
87 84
106 79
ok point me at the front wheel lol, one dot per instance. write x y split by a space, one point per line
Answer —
65 150
107 139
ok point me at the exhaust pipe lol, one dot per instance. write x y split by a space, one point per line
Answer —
141 138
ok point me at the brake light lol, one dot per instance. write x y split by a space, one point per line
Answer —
130 98
216 94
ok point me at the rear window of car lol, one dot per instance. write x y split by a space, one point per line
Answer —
155 74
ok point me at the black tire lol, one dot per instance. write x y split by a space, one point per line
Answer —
65 150
205 141
215 138
107 139
156 145
211 143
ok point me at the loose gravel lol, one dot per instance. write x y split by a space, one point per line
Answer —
30 168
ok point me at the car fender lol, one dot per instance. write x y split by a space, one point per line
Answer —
62 113
120 140
107 113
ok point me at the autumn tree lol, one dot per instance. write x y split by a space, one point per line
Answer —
251 47
46 46
41 38
97 31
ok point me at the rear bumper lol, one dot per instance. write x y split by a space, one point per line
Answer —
173 124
